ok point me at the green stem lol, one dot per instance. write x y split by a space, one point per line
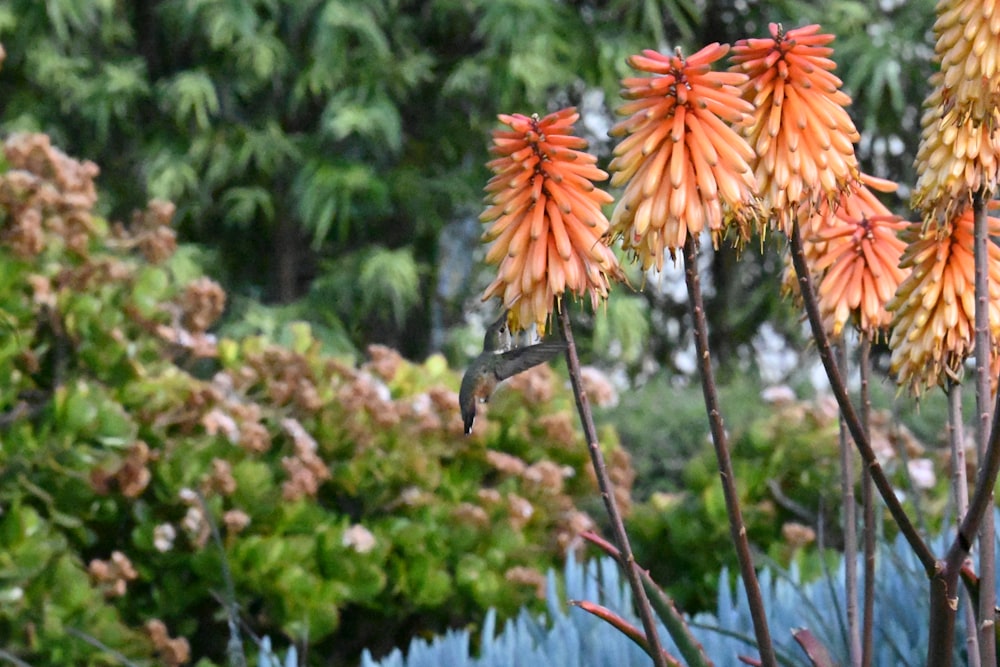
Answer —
737 528
607 493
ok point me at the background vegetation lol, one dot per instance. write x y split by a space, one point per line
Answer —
328 154
324 160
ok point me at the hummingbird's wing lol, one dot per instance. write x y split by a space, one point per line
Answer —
522 358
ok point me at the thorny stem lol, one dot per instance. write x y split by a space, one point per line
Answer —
987 544
737 528
607 493
850 528
960 489
854 424
868 504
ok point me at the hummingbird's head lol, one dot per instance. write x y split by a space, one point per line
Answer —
497 337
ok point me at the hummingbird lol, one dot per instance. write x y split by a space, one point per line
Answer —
497 362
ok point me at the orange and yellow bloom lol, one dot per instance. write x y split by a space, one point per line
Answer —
548 228
684 168
959 150
856 253
802 136
934 308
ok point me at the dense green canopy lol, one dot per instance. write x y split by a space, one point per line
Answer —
330 149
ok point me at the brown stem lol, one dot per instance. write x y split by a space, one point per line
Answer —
607 493
861 441
987 538
942 614
868 504
737 528
850 528
960 492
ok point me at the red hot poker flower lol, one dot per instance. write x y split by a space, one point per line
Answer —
800 131
548 228
684 169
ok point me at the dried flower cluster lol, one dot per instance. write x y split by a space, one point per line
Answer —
960 142
131 477
548 228
220 480
112 575
283 376
802 136
202 303
856 250
306 470
934 308
172 652
684 169
45 190
151 231
195 523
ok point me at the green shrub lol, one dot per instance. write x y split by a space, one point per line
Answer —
341 492
786 464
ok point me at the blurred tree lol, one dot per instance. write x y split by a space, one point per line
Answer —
330 148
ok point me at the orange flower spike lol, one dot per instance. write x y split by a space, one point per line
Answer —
934 308
802 134
548 228
682 166
856 253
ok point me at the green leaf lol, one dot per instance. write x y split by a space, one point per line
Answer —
390 283
246 205
371 116
190 95
326 191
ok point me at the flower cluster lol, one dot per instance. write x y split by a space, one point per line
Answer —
856 251
548 229
934 308
112 575
684 169
802 136
960 142
44 190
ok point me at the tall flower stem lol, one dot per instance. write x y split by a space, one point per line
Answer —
607 493
861 441
945 581
868 510
987 540
850 527
960 489
737 528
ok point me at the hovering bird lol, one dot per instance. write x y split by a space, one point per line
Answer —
498 362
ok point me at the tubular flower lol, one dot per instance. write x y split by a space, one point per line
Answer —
683 167
803 136
856 252
934 309
548 229
960 141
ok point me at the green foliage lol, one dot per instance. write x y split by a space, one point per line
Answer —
294 135
350 506
786 463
